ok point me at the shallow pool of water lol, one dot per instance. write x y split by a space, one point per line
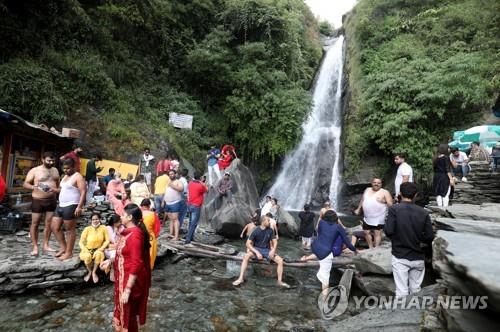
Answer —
191 295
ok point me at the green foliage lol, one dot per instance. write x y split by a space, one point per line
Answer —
326 29
425 68
130 63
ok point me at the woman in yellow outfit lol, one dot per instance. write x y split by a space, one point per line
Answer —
93 241
152 223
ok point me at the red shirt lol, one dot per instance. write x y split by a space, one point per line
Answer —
163 166
74 156
3 188
196 190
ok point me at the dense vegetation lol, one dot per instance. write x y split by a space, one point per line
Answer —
418 71
117 68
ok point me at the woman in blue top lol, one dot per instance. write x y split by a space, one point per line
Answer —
329 230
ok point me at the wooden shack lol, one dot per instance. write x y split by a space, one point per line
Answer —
22 144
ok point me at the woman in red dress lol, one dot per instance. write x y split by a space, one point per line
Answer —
132 272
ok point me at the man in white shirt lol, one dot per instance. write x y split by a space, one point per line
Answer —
404 174
459 163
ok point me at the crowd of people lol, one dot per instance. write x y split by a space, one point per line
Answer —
163 192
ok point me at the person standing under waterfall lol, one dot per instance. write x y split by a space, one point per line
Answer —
404 173
408 225
443 180
374 203
262 244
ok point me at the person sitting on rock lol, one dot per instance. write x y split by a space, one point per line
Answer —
109 177
262 244
224 190
459 163
254 222
273 224
116 194
93 241
224 161
478 153
327 206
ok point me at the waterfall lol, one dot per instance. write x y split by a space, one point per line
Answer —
310 173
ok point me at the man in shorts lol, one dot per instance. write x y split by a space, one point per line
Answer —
71 200
43 181
173 202
374 203
262 244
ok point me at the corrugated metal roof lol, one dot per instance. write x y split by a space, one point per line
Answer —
9 117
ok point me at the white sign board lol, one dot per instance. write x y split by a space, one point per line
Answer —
182 121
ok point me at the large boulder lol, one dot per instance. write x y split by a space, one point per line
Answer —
287 224
229 220
467 262
377 260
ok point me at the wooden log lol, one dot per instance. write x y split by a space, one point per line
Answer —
195 250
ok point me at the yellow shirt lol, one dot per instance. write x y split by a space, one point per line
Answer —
161 184
94 238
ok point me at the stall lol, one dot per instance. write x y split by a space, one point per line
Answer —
22 144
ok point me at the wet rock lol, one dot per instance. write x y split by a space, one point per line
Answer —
46 309
486 211
76 273
47 284
376 260
222 285
382 320
2 279
21 233
481 227
375 284
219 324
54 276
287 224
26 281
211 239
30 274
469 271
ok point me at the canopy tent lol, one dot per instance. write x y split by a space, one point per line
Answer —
488 136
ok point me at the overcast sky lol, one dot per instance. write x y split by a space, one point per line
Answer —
331 10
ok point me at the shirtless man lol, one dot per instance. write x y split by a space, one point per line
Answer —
43 181
375 203
71 201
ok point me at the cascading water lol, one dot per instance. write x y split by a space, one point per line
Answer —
310 173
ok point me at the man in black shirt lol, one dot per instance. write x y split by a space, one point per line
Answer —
408 225
91 178
262 244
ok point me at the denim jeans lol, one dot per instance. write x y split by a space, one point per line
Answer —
182 214
158 201
193 221
464 169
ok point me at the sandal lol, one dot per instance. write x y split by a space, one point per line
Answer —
284 285
238 282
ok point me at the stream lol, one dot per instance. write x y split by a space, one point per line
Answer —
193 294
